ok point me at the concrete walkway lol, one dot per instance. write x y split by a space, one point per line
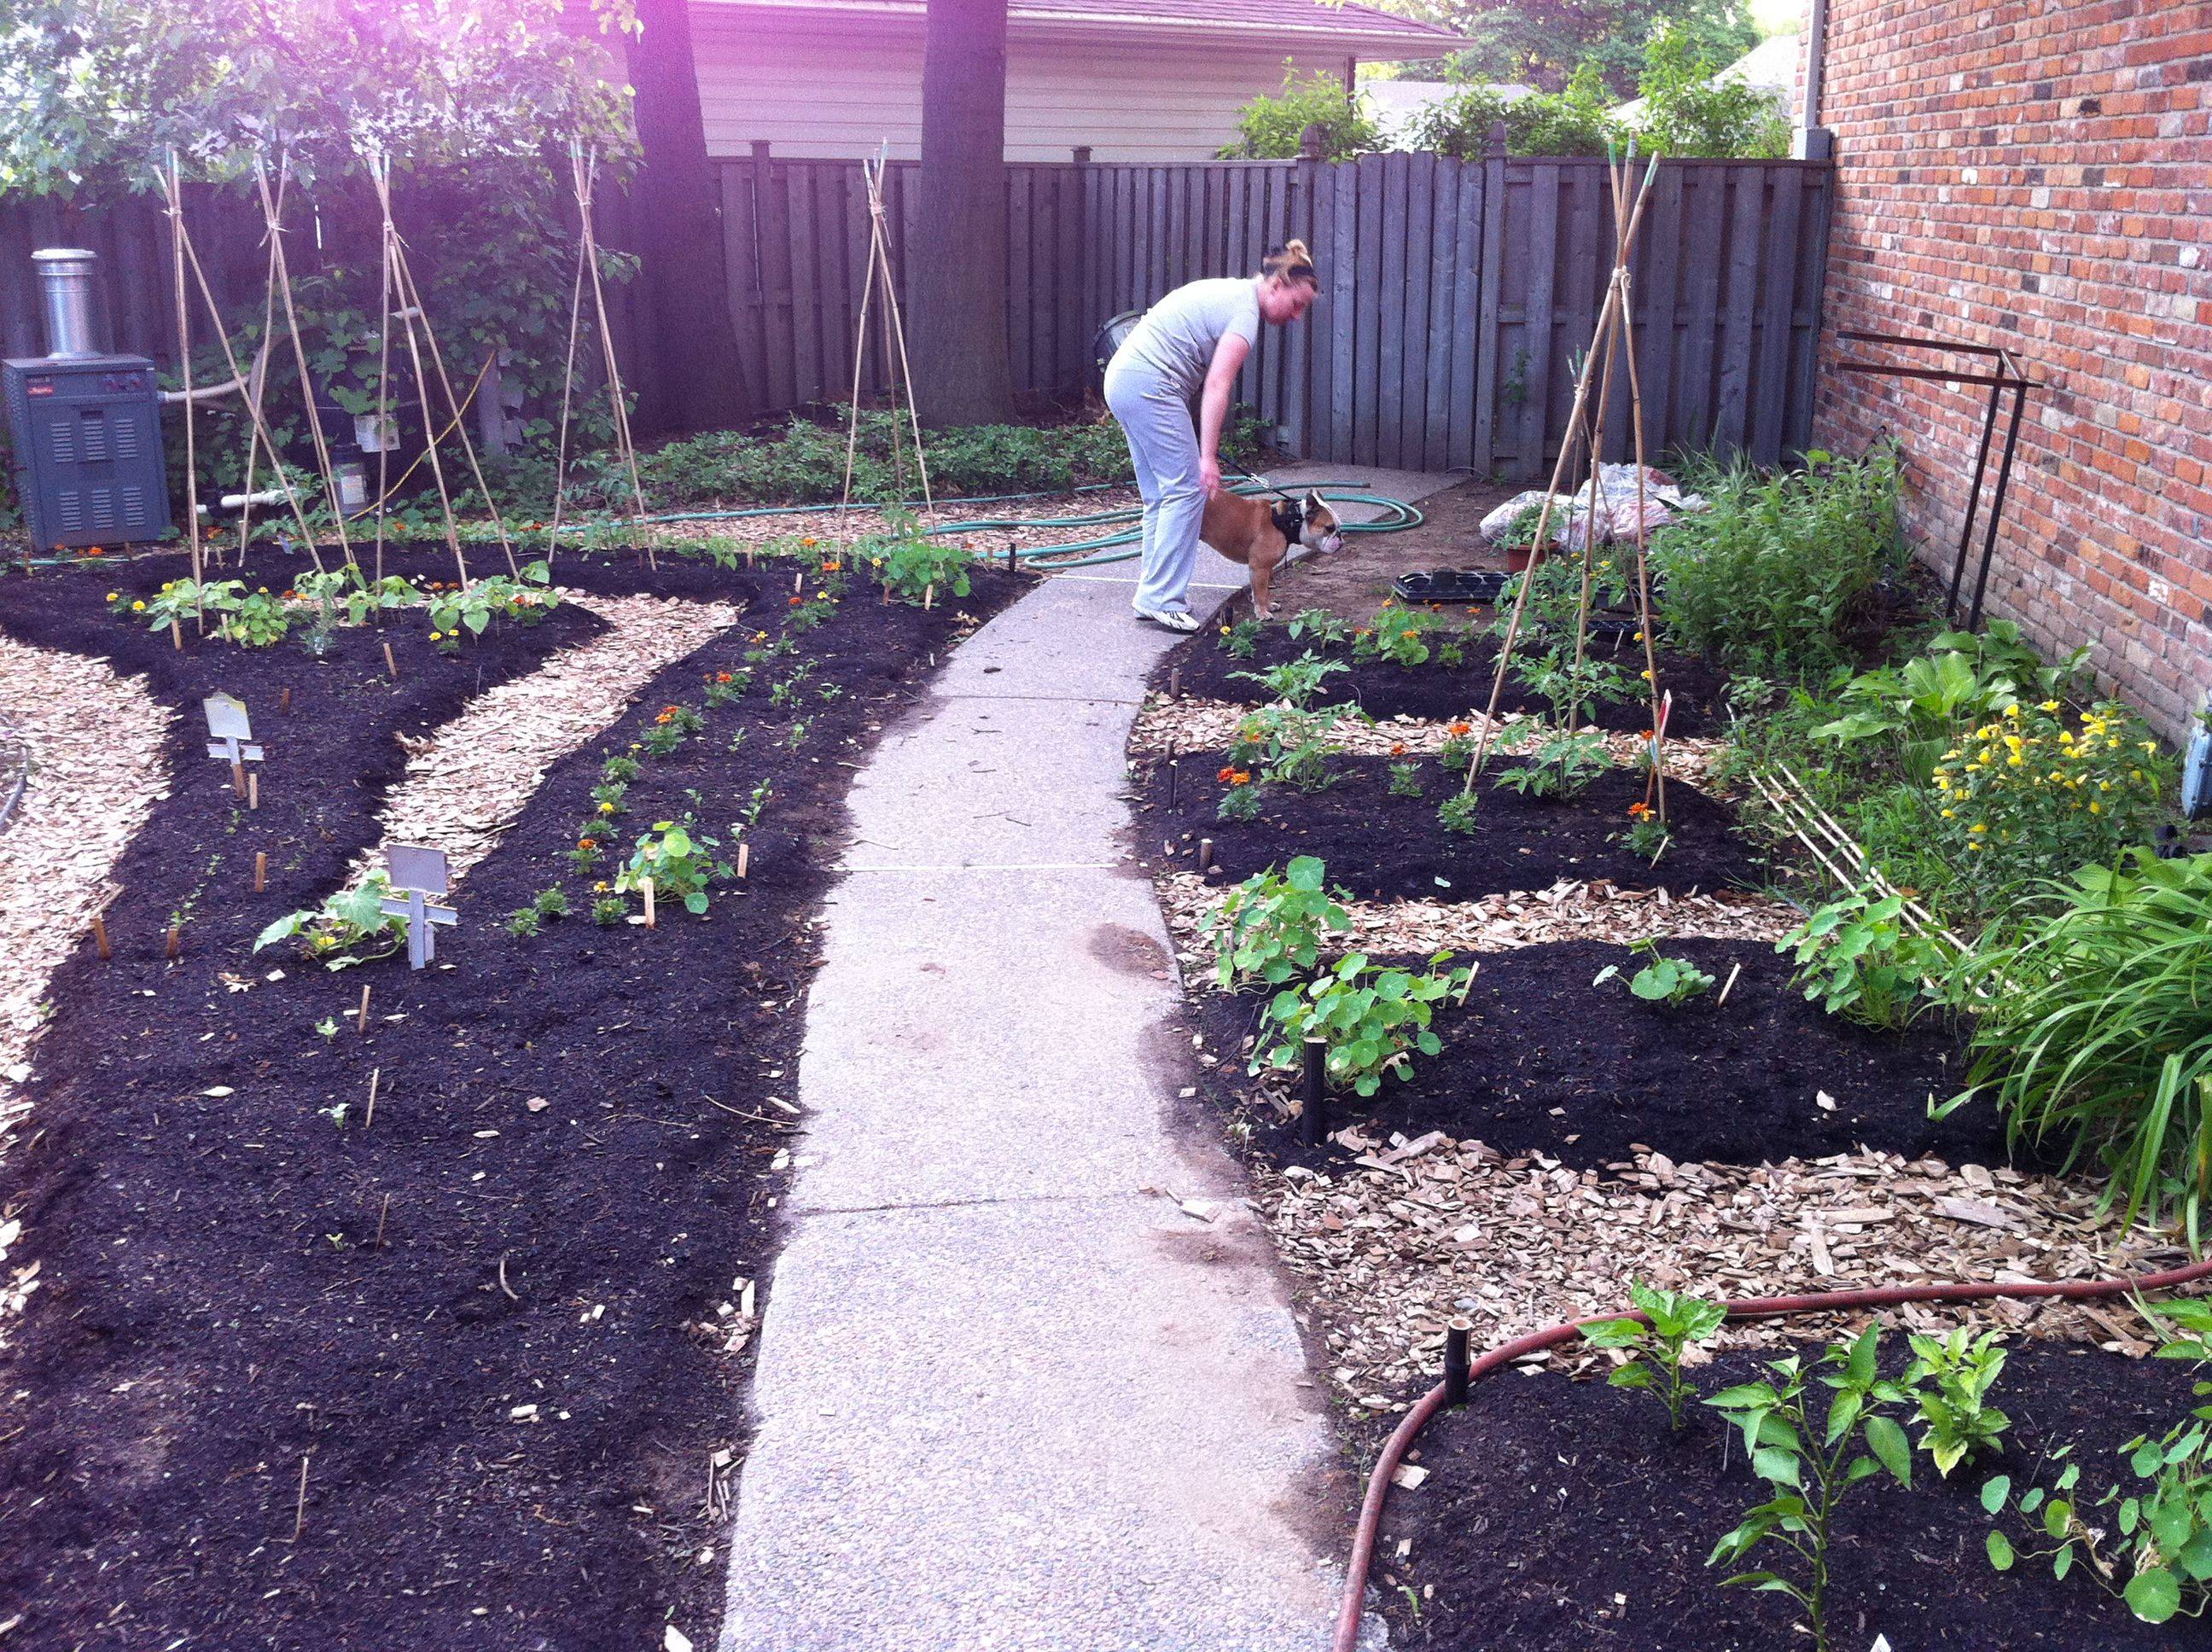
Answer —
1011 1393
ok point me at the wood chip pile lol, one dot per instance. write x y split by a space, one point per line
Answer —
829 528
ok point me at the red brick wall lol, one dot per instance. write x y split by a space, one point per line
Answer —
2037 174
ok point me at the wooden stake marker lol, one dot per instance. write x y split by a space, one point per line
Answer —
99 938
375 1077
646 884
284 701
390 664
253 790
361 1020
260 870
175 947
230 736
417 873
744 857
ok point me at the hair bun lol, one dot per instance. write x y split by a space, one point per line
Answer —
1296 249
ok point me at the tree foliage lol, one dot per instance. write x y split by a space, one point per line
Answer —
96 95
1575 121
1270 126
1542 43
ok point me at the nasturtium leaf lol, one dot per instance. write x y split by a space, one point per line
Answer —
2001 1551
1994 1491
2154 1596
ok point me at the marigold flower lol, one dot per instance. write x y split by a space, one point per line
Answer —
138 607
1241 777
1639 810
1398 748
587 843
114 596
1225 771
1458 728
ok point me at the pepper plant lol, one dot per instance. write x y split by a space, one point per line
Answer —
1810 1463
1673 1321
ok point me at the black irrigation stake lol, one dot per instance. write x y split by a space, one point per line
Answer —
1456 1361
1313 1114
2009 375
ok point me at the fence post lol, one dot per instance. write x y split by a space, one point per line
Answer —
1489 283
1313 142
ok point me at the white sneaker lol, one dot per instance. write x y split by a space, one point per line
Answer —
1175 619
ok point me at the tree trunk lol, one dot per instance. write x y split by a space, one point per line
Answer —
691 379
957 260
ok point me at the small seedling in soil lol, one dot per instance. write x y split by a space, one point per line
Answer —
1405 780
1562 765
522 922
611 793
795 737
551 903
1810 1464
1242 800
722 687
1647 836
738 739
1327 629
1460 813
619 768
1458 750
757 804
607 912
1662 980
2154 1547
678 861
1656 1351
1242 640
328 1026
1270 928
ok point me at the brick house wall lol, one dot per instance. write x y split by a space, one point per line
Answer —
2037 174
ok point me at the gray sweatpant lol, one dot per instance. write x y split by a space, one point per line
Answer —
1164 445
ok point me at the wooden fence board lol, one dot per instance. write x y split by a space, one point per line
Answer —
1747 191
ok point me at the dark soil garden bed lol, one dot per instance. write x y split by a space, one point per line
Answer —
1206 670
1560 1515
1539 1060
574 1156
1379 846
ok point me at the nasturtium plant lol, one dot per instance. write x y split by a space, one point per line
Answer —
1270 928
1662 980
1372 1019
680 862
351 927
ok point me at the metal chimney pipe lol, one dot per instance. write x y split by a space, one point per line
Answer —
65 275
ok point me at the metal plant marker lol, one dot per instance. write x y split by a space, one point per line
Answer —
230 735
417 874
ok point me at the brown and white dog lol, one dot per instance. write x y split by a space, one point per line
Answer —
1262 533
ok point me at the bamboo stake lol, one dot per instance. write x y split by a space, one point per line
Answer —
880 233
375 1077
174 182
300 352
361 1020
385 420
567 402
859 351
380 177
260 386
585 171
261 432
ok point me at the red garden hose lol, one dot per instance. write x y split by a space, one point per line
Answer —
1818 1302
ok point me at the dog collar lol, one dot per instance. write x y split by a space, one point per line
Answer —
1290 517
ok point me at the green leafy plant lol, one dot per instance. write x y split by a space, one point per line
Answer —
914 566
1771 574
522 922
1289 747
2154 1547
1271 126
1402 636
1647 836
1270 928
1855 957
1406 779
1672 1323
526 600
2093 1029
608 910
1242 640
1662 980
1950 1379
1692 109
723 687
351 927
1327 630
619 768
1295 682
1461 812
1559 765
1575 121
1373 1019
552 903
1810 1464
680 861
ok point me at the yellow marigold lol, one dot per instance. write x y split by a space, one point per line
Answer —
2050 705
138 607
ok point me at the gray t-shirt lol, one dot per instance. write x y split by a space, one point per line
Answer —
1176 338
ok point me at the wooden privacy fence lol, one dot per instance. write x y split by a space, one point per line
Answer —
1455 293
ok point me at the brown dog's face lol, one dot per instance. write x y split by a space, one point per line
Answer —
1321 532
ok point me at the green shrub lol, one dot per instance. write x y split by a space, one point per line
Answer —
2095 1029
1271 926
1689 112
1770 576
1855 957
1576 121
1270 126
1372 1019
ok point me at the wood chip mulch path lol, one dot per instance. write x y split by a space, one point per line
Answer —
93 742
1426 1230
468 781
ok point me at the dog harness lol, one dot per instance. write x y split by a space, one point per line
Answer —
1290 519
